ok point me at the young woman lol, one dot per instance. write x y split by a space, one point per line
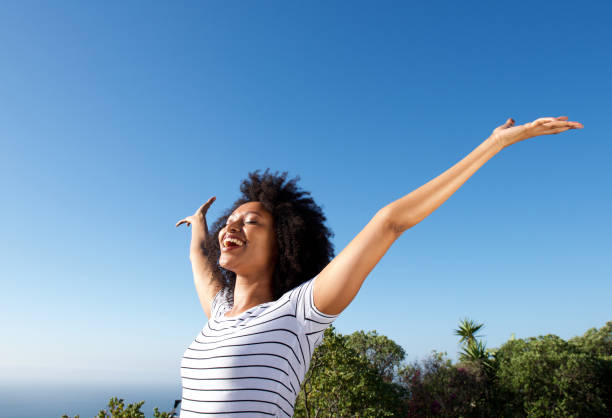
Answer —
267 285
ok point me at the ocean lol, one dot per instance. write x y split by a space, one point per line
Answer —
33 400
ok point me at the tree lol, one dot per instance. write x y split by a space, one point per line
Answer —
596 341
340 382
547 376
474 350
468 330
381 352
361 375
437 388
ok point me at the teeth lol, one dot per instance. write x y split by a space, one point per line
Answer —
234 240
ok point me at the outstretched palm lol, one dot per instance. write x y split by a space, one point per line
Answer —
508 134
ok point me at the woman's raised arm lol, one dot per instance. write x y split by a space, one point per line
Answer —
203 270
338 283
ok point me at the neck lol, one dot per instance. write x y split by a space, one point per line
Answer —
251 291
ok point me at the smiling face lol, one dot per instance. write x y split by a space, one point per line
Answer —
248 241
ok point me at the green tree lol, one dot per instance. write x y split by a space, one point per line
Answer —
340 382
547 376
380 351
596 341
474 350
468 330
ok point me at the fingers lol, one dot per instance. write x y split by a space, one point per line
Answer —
201 211
555 123
509 122
183 221
540 121
205 206
554 127
562 123
550 125
557 130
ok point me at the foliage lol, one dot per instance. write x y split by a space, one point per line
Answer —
341 382
382 352
546 376
596 341
116 409
468 330
439 389
474 350
363 375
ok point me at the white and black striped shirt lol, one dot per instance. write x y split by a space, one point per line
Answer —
252 364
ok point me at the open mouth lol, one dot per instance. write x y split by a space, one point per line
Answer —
230 244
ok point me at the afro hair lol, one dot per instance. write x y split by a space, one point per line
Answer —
299 224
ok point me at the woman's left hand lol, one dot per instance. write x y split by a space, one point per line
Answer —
508 134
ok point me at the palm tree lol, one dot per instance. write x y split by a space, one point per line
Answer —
468 328
474 350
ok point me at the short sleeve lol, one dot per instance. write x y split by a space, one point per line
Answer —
218 301
313 321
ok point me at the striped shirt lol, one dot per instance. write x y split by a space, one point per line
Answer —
252 364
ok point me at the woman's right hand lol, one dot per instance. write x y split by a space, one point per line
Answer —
199 217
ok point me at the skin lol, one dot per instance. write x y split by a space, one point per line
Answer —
254 262
339 282
203 273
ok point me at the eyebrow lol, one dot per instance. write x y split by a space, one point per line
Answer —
246 213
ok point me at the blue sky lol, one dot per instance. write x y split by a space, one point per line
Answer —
118 120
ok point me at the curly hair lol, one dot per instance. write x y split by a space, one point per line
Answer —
299 224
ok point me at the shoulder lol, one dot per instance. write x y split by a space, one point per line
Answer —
220 299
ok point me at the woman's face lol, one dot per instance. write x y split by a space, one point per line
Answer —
248 242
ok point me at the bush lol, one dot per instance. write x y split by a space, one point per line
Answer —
341 382
436 388
547 376
116 409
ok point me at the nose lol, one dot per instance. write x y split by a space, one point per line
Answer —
233 226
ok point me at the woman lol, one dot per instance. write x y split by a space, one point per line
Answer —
267 285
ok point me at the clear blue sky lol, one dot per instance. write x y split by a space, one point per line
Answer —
119 119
